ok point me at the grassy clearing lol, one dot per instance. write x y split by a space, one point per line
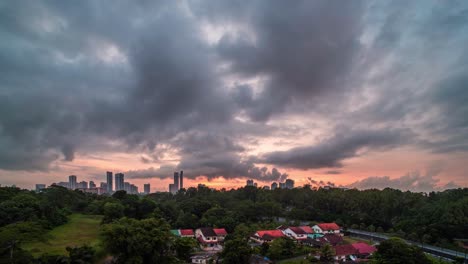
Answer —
352 240
80 229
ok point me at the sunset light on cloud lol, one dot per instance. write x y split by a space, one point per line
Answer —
350 93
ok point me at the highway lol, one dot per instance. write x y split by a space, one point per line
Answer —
436 251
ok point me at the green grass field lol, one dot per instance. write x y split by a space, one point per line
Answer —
80 229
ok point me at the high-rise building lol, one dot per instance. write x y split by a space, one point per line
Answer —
103 185
133 189
282 185
63 184
39 187
109 181
72 182
274 185
119 181
176 181
92 184
255 185
127 187
289 184
181 180
250 183
172 188
82 185
146 188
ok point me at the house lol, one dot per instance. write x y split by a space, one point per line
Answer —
326 228
295 232
208 239
364 250
175 232
345 252
266 236
186 233
220 233
202 258
307 229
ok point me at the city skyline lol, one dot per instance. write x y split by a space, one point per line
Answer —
358 94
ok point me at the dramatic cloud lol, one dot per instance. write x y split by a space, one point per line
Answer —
331 152
231 88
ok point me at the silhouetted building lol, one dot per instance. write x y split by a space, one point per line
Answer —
282 185
133 189
63 184
109 181
103 185
82 185
176 181
172 188
181 180
274 185
39 187
127 187
250 183
92 184
289 184
119 181
72 182
146 188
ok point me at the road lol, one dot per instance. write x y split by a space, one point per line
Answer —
437 251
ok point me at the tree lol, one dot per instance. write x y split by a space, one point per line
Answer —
236 251
112 211
184 246
327 254
281 248
397 251
81 255
139 241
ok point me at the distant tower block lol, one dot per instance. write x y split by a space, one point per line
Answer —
181 179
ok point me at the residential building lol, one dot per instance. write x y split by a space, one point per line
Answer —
127 187
62 184
250 183
274 185
266 187
295 233
133 189
266 236
364 250
326 228
345 252
40 187
172 188
203 258
119 181
109 181
186 233
146 188
92 184
282 185
221 233
208 239
72 182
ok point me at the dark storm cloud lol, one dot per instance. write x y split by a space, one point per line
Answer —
304 48
333 151
140 77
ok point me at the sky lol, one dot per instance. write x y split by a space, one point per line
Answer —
365 94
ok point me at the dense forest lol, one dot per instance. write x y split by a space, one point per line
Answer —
435 218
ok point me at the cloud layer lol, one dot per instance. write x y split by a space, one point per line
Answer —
206 86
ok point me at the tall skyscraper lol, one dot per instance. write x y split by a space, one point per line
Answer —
72 182
172 188
181 179
146 188
176 181
127 187
82 185
109 181
103 185
119 181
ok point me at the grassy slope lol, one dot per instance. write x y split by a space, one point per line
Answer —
80 230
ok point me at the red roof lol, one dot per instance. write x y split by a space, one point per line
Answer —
186 232
307 229
220 231
271 233
328 226
345 250
364 248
